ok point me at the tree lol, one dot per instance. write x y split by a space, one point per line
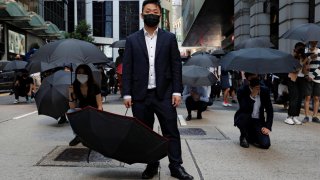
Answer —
82 32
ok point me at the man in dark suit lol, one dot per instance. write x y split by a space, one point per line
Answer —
254 100
152 83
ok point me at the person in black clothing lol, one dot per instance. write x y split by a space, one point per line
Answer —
84 92
254 100
23 87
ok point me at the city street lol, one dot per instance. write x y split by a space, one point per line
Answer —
36 147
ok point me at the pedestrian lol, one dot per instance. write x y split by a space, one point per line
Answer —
196 98
225 85
84 92
23 87
295 84
313 83
152 83
254 100
119 68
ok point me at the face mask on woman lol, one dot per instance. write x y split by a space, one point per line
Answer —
82 78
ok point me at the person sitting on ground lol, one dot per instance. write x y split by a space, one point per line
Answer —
196 98
23 87
254 100
84 92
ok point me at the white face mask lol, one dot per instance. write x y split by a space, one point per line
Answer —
82 78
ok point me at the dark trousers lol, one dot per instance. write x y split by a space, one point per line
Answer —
200 106
295 96
20 91
167 116
251 129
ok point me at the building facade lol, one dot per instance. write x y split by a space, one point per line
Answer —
272 18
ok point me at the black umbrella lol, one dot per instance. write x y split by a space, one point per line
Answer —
197 76
303 32
34 67
3 63
52 96
68 51
15 65
218 53
119 44
203 60
119 137
256 42
260 61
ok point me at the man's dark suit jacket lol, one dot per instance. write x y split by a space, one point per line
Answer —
136 66
246 105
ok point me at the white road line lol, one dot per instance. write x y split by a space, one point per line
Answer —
182 120
24 115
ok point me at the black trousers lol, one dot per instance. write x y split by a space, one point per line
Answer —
295 96
200 106
20 91
167 116
251 129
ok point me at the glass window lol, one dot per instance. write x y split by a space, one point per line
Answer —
102 19
128 18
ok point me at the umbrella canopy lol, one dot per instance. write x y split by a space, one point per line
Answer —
260 61
34 67
15 65
3 63
119 44
261 42
303 32
203 60
69 51
119 137
197 76
52 96
218 53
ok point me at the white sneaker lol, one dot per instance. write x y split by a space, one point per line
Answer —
225 104
289 121
16 101
229 104
296 120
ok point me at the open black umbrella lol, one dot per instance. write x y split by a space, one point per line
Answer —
303 32
119 44
68 51
218 53
52 96
197 76
260 61
203 60
3 63
119 137
34 67
256 42
15 65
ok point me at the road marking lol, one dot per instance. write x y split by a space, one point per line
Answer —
24 115
4 94
182 120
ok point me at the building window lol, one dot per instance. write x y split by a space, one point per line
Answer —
128 18
54 12
102 19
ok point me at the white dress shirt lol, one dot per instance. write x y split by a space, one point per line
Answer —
256 106
151 42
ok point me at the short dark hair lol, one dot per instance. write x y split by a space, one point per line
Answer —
247 74
156 2
299 44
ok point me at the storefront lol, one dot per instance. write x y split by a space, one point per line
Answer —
21 30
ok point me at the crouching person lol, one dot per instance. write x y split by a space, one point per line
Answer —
254 100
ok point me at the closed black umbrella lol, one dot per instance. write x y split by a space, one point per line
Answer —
260 61
15 65
119 44
203 60
52 96
119 137
68 51
197 76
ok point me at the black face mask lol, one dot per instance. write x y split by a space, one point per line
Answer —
151 20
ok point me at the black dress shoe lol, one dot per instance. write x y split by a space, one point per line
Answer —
243 142
188 117
149 172
199 116
75 141
180 173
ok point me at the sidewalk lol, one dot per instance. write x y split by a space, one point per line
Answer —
31 148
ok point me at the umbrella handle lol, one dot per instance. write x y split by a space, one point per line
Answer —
126 112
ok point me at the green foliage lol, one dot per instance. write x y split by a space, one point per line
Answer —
82 32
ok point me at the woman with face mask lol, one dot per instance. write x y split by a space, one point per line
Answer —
84 92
